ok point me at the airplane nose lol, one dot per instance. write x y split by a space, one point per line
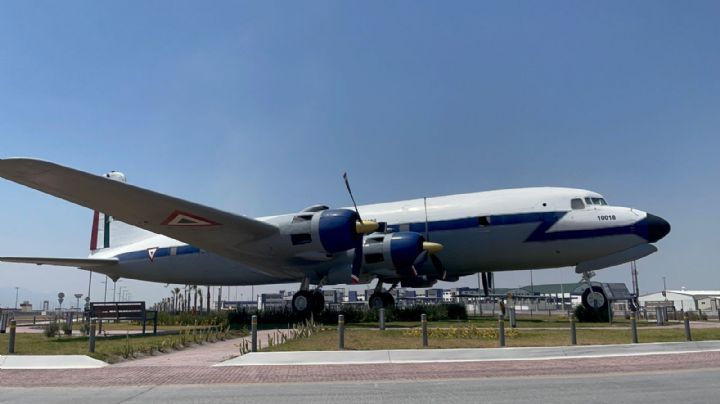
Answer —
657 227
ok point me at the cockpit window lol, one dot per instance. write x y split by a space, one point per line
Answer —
577 203
599 201
588 201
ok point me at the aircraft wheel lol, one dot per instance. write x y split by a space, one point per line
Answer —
594 298
376 301
388 300
318 301
302 302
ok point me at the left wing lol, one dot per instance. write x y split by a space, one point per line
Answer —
211 229
64 262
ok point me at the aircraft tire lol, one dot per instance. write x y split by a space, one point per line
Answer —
599 295
302 302
388 300
376 301
318 301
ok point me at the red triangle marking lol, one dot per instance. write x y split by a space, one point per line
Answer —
179 218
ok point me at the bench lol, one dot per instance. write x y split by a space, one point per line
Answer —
122 311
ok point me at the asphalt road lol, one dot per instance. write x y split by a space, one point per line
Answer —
669 386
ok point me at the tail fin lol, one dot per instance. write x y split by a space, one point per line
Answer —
114 232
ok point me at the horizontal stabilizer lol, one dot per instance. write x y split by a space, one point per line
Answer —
611 260
63 262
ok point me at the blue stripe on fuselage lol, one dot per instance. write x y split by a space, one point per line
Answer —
545 221
161 252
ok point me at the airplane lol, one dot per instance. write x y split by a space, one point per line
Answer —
159 238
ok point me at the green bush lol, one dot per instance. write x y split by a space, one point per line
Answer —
353 314
51 329
585 315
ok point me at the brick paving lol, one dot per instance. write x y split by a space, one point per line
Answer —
193 373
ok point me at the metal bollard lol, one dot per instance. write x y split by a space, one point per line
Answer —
423 320
501 330
633 328
91 339
11 338
341 331
573 331
253 331
688 336
382 319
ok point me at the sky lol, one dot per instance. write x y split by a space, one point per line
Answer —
259 107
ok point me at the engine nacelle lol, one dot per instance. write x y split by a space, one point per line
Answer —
329 230
397 251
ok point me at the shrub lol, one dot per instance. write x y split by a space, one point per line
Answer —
51 329
585 315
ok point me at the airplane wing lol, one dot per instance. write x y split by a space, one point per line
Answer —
208 228
621 257
63 262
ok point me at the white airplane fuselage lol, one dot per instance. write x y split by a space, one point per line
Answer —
503 230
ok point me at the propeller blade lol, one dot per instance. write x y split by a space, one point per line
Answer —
485 283
419 262
439 267
347 184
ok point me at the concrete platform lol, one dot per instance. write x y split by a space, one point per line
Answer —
469 355
49 362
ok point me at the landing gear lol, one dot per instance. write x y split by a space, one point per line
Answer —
306 301
380 299
594 298
302 302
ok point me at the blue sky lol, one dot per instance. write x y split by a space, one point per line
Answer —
258 108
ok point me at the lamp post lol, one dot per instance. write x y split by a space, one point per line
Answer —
17 289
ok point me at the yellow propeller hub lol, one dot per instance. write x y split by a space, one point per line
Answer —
432 248
366 226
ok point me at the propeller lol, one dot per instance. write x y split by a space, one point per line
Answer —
430 249
361 228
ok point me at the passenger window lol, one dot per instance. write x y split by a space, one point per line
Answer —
588 201
577 203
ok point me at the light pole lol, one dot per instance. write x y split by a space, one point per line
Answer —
17 289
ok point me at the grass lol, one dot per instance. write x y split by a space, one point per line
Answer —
369 339
113 348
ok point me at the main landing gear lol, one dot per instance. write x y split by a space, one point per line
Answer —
307 301
380 299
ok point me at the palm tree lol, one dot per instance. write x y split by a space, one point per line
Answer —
177 299
208 298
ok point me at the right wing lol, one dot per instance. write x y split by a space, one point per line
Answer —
211 229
